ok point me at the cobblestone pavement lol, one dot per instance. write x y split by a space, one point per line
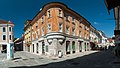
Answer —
89 59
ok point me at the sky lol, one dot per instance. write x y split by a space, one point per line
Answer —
95 11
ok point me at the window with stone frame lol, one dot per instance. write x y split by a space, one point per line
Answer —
49 27
42 31
10 29
10 37
4 37
67 17
80 33
67 29
37 24
4 29
60 27
73 20
60 13
49 15
42 19
73 31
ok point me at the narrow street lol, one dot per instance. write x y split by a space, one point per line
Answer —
92 59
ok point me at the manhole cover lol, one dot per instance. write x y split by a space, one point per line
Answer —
54 59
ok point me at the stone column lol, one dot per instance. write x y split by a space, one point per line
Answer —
53 48
0 48
55 43
35 48
76 46
31 48
23 47
83 46
89 46
40 48
71 50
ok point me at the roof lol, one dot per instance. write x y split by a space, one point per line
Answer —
5 22
27 24
56 4
27 21
110 4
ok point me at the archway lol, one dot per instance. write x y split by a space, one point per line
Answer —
67 47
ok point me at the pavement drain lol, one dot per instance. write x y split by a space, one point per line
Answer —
40 58
54 59
16 61
24 59
17 58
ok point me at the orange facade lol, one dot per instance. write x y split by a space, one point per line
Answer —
56 14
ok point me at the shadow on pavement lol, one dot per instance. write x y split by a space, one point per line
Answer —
102 59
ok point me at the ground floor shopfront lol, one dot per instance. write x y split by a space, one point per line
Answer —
3 48
53 43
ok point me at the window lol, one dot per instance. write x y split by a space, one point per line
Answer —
33 47
37 48
60 13
46 48
10 29
80 26
36 34
42 31
85 35
49 27
10 37
80 33
73 31
37 24
67 17
60 27
4 37
73 19
49 15
42 19
67 29
4 30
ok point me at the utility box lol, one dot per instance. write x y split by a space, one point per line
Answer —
10 51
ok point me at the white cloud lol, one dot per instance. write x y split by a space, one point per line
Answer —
95 23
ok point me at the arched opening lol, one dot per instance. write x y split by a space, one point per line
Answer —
67 47
43 47
80 46
73 46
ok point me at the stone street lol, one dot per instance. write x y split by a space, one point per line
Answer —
89 59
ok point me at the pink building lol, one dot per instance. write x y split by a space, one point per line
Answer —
6 34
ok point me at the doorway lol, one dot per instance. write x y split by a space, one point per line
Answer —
43 47
73 46
4 48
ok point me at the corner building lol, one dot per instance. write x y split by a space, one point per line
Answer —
56 28
6 34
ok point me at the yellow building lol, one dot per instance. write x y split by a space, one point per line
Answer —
27 35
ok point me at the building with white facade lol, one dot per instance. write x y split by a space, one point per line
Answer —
104 39
6 34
